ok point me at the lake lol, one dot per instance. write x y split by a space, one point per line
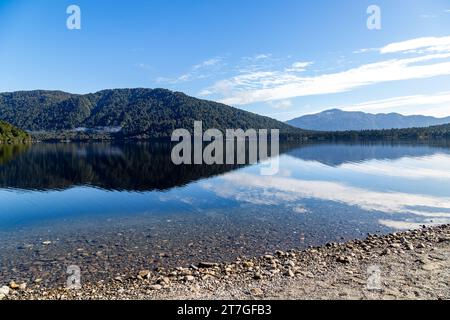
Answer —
118 208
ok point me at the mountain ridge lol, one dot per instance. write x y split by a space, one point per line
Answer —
339 120
138 112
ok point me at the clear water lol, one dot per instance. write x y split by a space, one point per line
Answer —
117 208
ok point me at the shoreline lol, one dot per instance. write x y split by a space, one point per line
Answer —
406 265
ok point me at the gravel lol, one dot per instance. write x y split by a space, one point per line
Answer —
408 265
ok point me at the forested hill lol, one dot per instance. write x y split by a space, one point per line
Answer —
11 134
141 113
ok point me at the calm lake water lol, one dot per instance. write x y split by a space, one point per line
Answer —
118 208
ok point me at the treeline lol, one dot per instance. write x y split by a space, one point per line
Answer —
441 132
10 134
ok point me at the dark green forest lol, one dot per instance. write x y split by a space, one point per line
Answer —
11 134
138 113
441 132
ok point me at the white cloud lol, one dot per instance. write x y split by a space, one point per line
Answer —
263 56
429 44
252 85
428 16
207 63
366 50
144 66
267 86
412 104
202 70
298 66
282 104
260 56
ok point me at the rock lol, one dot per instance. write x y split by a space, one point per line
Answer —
275 271
144 273
343 259
207 265
268 257
156 287
38 280
289 273
248 264
430 266
189 278
23 286
164 280
4 290
280 253
46 243
13 285
257 276
409 246
395 245
421 246
195 288
187 272
2 296
256 292
386 252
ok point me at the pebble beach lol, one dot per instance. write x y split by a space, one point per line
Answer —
406 265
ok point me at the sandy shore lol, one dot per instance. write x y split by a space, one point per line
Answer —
408 265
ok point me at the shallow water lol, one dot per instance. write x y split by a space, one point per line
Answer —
118 208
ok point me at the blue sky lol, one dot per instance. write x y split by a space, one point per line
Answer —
281 58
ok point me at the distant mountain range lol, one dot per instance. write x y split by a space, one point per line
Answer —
338 120
124 113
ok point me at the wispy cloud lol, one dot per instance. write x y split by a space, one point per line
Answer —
144 66
207 63
299 66
276 86
425 44
282 104
428 16
412 102
259 56
366 50
202 70
432 58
